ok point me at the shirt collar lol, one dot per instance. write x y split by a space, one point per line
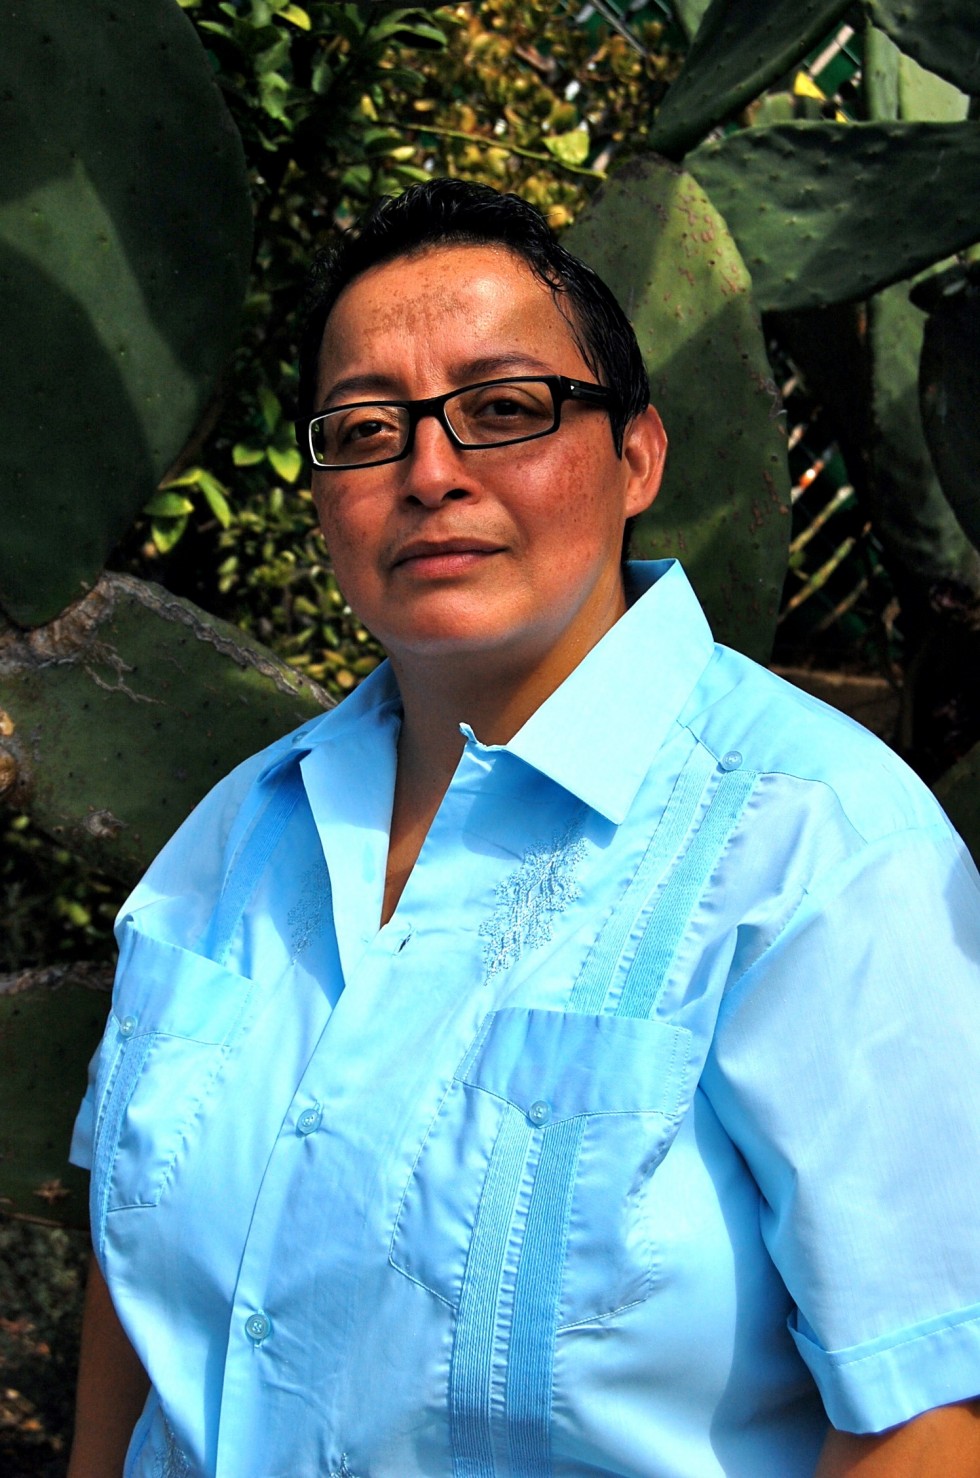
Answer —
597 733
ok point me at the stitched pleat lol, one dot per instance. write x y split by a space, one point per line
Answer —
471 1366
536 1295
130 1065
592 986
663 934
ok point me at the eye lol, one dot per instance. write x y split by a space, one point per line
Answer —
365 423
502 411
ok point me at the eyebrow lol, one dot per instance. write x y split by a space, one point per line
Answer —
470 372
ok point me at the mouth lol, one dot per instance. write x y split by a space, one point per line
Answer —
443 555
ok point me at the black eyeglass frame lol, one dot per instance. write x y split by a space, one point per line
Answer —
561 386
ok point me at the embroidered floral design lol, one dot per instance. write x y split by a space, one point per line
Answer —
171 1462
529 900
308 915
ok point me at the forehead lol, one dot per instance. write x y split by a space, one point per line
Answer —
437 314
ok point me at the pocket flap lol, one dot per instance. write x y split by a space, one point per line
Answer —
567 1064
161 987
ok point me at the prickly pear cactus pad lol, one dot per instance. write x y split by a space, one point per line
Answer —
943 35
723 509
50 1024
118 717
738 51
949 385
829 212
125 236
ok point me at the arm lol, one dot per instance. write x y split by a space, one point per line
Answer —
943 1443
112 1388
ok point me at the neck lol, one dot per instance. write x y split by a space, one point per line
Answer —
494 696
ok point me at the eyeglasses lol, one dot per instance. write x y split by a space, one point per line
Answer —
370 433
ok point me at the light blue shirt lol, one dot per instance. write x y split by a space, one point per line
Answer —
640 1140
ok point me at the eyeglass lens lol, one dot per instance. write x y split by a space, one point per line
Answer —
480 416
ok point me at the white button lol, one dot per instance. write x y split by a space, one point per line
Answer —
127 1026
309 1120
258 1327
540 1112
731 760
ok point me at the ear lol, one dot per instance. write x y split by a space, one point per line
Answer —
644 454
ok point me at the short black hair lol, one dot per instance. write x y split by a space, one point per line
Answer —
450 212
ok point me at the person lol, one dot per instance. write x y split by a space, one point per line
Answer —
560 1058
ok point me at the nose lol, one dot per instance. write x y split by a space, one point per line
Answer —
435 469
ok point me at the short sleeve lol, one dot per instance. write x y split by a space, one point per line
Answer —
83 1136
181 886
846 1068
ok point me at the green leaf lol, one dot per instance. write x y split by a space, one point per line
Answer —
398 27
214 494
271 409
739 50
570 148
273 90
357 178
287 462
168 533
297 15
168 505
247 456
945 36
829 212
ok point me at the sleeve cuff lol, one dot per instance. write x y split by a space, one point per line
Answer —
871 1386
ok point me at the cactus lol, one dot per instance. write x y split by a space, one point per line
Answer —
117 716
949 385
737 52
49 1020
124 248
823 212
725 497
959 793
689 15
941 36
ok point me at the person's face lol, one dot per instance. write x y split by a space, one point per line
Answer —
510 553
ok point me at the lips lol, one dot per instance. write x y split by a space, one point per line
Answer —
439 549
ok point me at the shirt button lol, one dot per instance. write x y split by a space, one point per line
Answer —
539 1112
731 760
127 1026
309 1120
258 1327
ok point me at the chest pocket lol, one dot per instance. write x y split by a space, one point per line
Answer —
175 1015
541 1159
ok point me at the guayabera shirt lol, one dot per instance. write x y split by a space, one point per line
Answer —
642 1139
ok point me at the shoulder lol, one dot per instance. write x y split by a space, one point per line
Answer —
788 736
192 865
